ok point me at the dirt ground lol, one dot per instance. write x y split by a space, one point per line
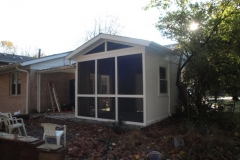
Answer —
91 140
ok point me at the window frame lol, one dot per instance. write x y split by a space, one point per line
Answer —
13 79
162 79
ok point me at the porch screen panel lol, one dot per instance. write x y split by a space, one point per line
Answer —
86 77
130 75
130 109
86 106
106 76
106 107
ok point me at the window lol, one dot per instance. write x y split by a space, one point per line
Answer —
109 47
15 88
114 46
162 80
100 48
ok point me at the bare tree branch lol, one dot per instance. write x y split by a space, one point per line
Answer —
109 25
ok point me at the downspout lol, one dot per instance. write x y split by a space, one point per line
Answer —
26 87
169 89
38 92
169 84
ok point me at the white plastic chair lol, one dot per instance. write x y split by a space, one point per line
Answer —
50 131
12 123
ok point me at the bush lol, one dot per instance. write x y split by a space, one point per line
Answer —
118 126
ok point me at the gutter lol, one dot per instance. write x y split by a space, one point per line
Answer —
8 67
26 87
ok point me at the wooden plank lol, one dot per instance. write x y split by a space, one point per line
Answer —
51 95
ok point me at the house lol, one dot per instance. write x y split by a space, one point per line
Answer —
114 77
24 81
121 77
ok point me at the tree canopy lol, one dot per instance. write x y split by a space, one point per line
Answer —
10 48
209 55
7 47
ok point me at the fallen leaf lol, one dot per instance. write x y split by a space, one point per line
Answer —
172 151
182 153
173 155
137 156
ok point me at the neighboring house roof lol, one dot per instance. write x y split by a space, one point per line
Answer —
33 61
46 58
127 40
12 58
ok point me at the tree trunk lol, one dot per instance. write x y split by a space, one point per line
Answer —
198 103
182 97
182 93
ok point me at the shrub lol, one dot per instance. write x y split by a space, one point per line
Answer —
118 126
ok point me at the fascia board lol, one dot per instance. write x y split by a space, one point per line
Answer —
82 47
162 48
129 40
42 59
58 69
106 37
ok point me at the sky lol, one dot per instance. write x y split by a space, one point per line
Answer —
57 26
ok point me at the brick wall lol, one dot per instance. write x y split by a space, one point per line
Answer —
61 83
12 103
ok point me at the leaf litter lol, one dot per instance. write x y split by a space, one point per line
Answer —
96 141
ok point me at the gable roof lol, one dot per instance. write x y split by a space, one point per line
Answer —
33 61
12 58
46 58
127 40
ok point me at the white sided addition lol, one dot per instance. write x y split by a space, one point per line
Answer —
122 78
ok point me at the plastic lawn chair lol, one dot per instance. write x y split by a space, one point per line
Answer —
50 131
12 123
